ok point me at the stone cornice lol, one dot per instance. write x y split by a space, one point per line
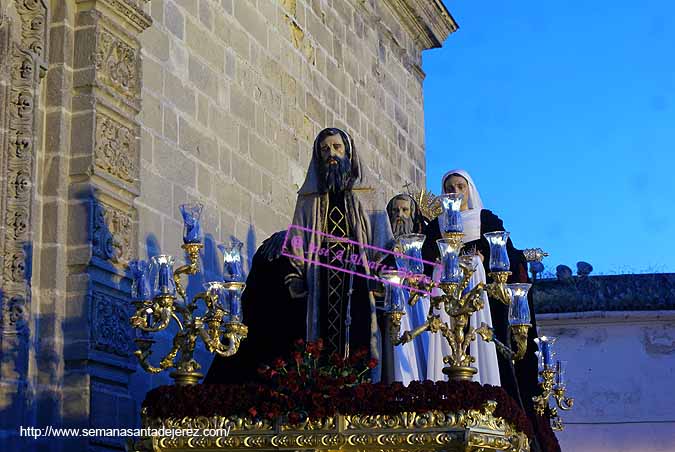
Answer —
428 21
129 11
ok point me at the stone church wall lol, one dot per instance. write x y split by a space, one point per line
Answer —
114 112
235 91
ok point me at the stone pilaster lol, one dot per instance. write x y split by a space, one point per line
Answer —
23 35
103 175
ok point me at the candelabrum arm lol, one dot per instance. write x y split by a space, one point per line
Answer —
234 334
187 269
165 363
485 332
162 314
408 336
191 268
497 288
564 403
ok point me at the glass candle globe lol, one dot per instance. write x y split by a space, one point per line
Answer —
519 310
395 296
192 230
411 247
140 285
233 270
451 271
450 219
499 258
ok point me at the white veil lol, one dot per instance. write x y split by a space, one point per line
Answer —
484 352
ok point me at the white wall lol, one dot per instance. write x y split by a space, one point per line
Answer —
621 371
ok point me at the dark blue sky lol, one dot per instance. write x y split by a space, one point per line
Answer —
564 114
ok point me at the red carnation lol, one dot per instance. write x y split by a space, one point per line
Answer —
372 363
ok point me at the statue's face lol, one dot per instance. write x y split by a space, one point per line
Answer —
332 149
400 217
335 168
401 209
457 184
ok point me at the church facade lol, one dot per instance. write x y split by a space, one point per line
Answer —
114 112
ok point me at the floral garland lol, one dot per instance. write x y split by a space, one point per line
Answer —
314 386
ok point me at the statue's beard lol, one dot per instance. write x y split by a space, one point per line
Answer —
401 226
336 177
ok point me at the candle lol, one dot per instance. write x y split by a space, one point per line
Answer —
546 348
560 369
394 298
165 284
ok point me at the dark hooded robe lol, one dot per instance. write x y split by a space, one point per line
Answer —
274 319
355 213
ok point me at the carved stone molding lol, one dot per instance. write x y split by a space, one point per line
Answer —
428 21
110 328
117 64
115 148
16 314
131 11
114 234
33 25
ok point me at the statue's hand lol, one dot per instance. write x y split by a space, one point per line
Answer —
296 286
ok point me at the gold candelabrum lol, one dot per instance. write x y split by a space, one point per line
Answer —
456 298
552 383
220 326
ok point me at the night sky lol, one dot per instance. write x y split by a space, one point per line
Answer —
564 115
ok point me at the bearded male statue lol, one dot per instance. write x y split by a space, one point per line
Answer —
338 200
404 215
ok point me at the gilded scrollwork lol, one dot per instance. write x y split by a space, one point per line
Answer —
115 148
484 418
471 430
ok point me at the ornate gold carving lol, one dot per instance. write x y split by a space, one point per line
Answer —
429 204
115 148
117 64
470 430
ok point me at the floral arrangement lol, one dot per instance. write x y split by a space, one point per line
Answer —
311 385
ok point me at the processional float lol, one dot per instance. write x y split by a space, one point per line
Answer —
214 316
